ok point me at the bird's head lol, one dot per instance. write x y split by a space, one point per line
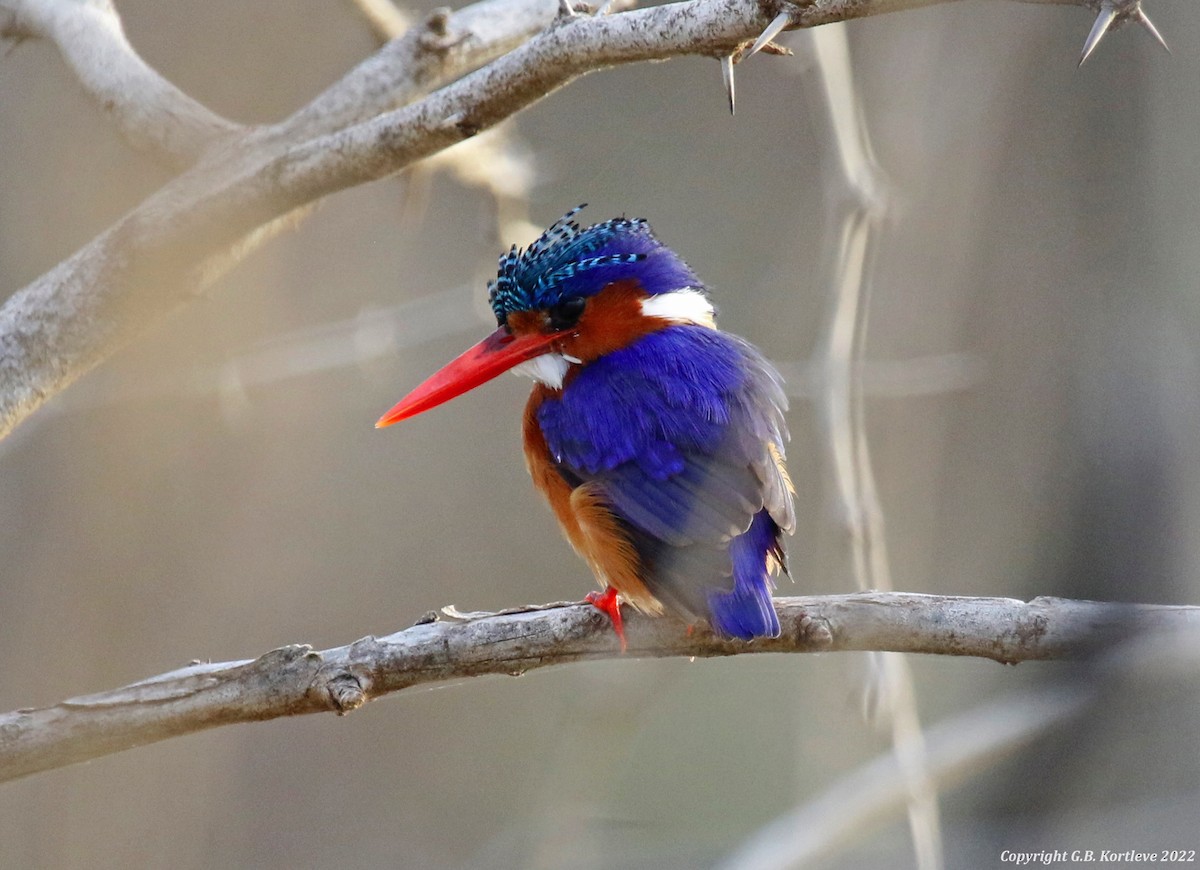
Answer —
572 296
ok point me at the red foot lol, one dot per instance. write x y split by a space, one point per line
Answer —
606 602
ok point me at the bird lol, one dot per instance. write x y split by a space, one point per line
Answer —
657 439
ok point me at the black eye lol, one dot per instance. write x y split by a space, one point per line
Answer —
566 314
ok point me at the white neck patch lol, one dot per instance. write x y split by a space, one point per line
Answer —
548 369
688 305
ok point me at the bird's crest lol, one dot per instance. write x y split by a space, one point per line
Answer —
569 260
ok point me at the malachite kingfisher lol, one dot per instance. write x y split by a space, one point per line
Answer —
657 439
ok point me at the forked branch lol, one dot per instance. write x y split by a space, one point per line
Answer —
403 104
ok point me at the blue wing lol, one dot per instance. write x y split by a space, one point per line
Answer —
683 432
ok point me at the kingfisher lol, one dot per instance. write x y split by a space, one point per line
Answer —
657 439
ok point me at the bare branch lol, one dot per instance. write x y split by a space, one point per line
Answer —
298 679
195 228
151 113
439 49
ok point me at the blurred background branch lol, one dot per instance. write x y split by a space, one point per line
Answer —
296 679
858 204
963 746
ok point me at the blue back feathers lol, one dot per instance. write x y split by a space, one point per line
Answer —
675 430
570 261
673 390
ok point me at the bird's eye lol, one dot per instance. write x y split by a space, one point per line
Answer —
566 314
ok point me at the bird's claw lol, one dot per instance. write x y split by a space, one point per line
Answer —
608 602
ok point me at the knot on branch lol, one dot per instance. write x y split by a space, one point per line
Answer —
814 633
345 692
460 125
437 35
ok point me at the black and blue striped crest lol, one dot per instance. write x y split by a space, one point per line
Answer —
568 260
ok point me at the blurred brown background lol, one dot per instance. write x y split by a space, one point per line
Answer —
1044 227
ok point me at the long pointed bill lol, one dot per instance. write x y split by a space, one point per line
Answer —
493 356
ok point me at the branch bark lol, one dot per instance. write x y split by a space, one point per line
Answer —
198 226
297 679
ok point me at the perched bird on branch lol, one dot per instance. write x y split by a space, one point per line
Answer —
657 439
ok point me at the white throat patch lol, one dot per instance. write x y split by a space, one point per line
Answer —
688 305
548 369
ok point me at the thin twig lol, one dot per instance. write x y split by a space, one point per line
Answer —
297 679
385 17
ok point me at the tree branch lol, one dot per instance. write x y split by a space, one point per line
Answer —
438 50
198 226
151 113
297 679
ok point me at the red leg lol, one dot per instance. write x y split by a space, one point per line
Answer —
606 602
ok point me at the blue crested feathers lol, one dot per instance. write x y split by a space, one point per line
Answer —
568 260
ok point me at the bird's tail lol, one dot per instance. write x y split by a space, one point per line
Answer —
746 612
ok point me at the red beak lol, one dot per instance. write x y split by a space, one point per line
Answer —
495 355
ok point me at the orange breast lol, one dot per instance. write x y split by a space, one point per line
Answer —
586 520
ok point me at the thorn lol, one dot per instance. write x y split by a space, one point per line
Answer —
1143 19
1104 20
776 27
605 8
1112 15
727 77
566 9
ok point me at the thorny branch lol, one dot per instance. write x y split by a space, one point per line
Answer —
415 97
297 679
